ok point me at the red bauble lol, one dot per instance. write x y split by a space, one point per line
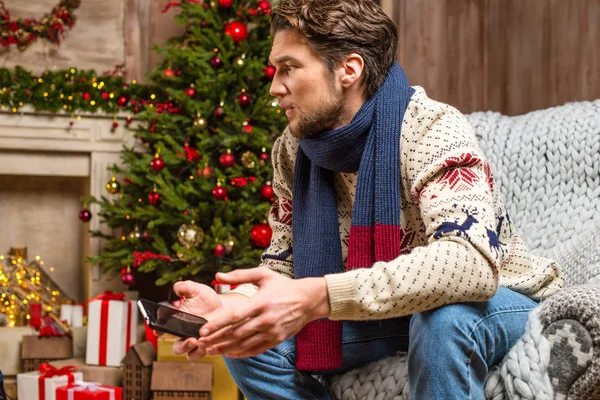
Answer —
190 92
128 120
219 112
169 72
261 235
122 102
154 198
227 160
264 5
266 192
219 250
225 3
219 193
270 72
157 164
237 31
85 215
248 128
128 279
244 99
216 62
205 172
115 125
87 96
105 95
147 238
264 156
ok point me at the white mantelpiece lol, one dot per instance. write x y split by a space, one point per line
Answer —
41 144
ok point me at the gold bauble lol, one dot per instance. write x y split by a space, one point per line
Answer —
190 235
239 62
200 123
248 160
113 186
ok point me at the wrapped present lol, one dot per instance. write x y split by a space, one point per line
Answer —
42 384
89 391
112 329
224 387
35 315
72 314
110 376
36 350
222 287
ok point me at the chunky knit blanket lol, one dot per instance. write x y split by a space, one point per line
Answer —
547 166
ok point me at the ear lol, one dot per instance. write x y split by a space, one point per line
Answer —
351 69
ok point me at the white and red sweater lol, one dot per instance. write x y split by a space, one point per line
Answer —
457 245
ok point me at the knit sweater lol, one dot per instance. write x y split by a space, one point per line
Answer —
457 241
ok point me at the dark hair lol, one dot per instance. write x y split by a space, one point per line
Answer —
336 28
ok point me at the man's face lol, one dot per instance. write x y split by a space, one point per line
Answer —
308 91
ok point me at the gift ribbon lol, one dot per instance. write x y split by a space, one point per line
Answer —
50 371
109 295
216 283
90 386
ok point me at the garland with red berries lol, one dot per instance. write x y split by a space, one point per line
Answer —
21 32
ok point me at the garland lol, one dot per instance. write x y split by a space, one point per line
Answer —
21 32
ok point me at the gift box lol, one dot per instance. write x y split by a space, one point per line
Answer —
89 391
36 350
112 329
109 376
42 384
222 287
224 387
182 381
72 314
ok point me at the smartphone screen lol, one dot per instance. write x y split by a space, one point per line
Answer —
170 320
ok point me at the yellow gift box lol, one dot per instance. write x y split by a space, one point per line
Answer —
224 387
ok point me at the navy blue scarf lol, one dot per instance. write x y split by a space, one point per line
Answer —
370 144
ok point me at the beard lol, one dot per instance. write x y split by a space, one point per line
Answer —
322 119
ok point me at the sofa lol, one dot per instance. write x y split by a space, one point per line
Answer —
547 166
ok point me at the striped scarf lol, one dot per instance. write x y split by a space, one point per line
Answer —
370 144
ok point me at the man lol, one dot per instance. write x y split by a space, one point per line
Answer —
387 219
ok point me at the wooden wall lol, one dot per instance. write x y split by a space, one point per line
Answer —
511 56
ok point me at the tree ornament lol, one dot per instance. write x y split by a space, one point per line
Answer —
105 95
227 160
264 6
87 96
266 192
219 192
270 72
264 155
248 128
190 92
261 235
239 62
216 62
244 99
128 120
190 235
229 246
219 250
169 72
248 160
127 277
219 112
115 125
200 123
85 215
206 172
226 3
146 237
157 163
154 198
113 186
237 31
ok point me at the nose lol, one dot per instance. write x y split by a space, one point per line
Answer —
277 87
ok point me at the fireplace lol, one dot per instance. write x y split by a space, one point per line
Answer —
46 165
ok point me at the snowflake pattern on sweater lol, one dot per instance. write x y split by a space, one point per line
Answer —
457 241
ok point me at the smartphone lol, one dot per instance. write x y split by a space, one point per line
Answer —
171 320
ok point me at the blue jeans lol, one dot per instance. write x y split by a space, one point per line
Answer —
449 351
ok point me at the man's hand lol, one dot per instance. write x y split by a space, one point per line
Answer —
199 300
279 310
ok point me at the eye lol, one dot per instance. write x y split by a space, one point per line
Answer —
288 68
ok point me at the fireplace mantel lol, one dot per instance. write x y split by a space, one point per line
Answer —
43 144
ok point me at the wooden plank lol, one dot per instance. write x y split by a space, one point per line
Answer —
162 26
95 42
542 53
442 49
136 39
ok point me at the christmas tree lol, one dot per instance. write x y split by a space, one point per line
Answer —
195 201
